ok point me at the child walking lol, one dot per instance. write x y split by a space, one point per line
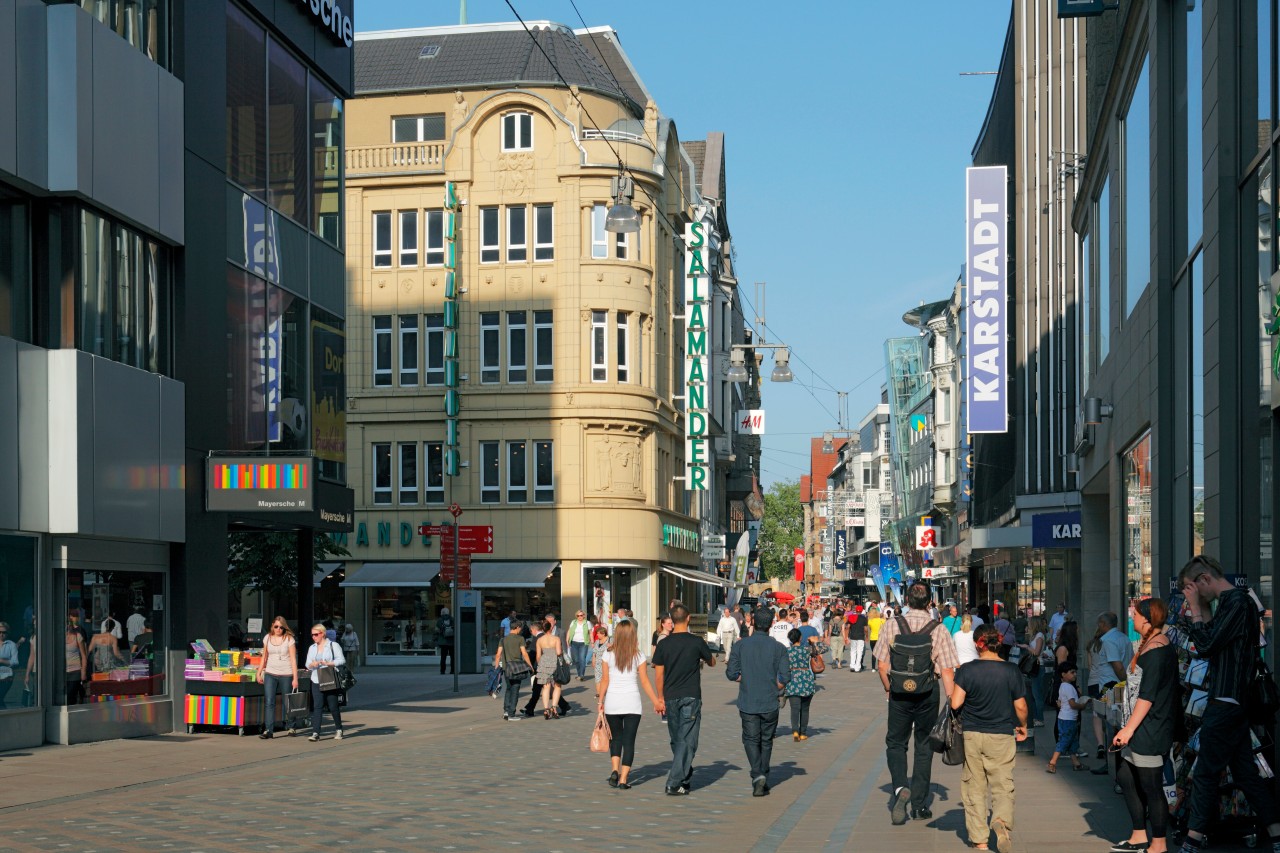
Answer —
1069 708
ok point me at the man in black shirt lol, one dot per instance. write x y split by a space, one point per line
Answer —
678 661
991 692
1229 641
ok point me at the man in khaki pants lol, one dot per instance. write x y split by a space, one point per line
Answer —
990 693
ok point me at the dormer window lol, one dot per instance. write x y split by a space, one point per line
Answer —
517 132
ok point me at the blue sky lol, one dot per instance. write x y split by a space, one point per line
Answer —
848 127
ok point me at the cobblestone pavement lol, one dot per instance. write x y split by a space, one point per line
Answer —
426 769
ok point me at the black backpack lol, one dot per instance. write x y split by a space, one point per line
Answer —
911 659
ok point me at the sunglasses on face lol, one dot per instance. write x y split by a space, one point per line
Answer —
317 633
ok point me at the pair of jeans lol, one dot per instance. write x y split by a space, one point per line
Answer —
1068 737
319 701
800 713
511 698
856 650
271 685
988 768
1225 742
684 724
1036 688
837 650
445 650
1143 789
757 737
726 644
578 651
908 713
622 736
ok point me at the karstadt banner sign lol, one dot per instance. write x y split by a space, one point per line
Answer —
986 324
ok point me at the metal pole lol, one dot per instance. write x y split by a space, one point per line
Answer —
453 605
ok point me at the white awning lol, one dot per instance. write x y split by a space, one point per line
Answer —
696 576
324 571
392 574
508 575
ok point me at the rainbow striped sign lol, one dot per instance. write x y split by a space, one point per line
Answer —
237 484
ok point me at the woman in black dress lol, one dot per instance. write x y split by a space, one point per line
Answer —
1151 691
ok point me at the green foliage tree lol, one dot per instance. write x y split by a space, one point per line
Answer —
781 530
268 561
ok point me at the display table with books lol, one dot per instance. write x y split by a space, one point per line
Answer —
223 691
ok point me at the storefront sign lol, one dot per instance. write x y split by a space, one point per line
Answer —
751 422
1056 530
697 321
255 484
680 538
986 218
926 538
335 20
842 550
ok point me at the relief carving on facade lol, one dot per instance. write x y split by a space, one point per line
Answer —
615 462
514 168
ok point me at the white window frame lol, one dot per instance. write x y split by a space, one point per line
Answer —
409 351
599 236
381 490
407 252
517 351
490 242
381 247
517 253
490 464
517 474
434 251
433 488
407 487
621 245
433 326
420 130
383 374
544 240
543 324
639 349
623 346
544 492
517 131
490 347
599 346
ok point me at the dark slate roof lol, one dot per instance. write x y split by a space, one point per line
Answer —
697 151
605 46
476 56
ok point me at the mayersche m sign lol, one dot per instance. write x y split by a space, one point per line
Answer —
986 326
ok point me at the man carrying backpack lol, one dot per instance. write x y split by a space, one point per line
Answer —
913 654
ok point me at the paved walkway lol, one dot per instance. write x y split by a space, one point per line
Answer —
424 768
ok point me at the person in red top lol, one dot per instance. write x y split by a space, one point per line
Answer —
855 635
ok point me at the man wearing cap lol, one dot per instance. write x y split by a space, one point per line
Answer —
760 667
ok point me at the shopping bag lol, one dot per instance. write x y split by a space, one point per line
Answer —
295 707
600 735
327 679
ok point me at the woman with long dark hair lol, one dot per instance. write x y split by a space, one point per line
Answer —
1150 700
1063 652
624 674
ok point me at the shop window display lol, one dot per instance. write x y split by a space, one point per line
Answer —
403 619
17 622
113 647
1137 519
530 603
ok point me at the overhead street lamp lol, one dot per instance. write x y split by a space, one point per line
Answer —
737 371
622 218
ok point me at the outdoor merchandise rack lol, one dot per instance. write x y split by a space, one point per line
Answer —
223 691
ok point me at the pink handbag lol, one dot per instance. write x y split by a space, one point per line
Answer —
600 735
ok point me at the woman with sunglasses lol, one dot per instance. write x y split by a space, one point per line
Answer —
579 633
321 654
279 667
1151 705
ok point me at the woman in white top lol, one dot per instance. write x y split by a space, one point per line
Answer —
965 649
323 654
279 667
624 674
1036 685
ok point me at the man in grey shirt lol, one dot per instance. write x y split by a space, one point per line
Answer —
760 667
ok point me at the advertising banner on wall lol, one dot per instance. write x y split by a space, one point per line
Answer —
697 366
328 392
741 555
986 324
842 550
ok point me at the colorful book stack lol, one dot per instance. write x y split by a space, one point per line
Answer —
140 669
120 673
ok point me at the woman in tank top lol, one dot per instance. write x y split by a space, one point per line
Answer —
77 657
279 667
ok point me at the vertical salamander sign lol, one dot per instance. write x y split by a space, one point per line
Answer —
986 325
697 323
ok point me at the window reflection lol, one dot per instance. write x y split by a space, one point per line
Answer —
326 162
142 23
1261 188
287 132
112 637
1137 518
1137 192
124 294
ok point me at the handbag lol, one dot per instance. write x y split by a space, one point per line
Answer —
563 674
816 663
517 670
1029 664
1264 696
947 738
600 735
346 678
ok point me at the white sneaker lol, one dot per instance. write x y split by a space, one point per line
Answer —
337 735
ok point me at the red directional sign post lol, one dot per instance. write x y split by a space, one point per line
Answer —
475 539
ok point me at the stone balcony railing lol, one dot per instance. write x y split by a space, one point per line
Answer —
398 158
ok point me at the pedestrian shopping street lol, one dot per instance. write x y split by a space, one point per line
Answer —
425 769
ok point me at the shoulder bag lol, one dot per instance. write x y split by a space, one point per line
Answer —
563 674
1263 696
600 735
947 737
517 670
1029 664
816 663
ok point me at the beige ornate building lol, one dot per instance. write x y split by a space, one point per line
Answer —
570 430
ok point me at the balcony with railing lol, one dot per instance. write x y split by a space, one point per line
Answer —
606 146
397 158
